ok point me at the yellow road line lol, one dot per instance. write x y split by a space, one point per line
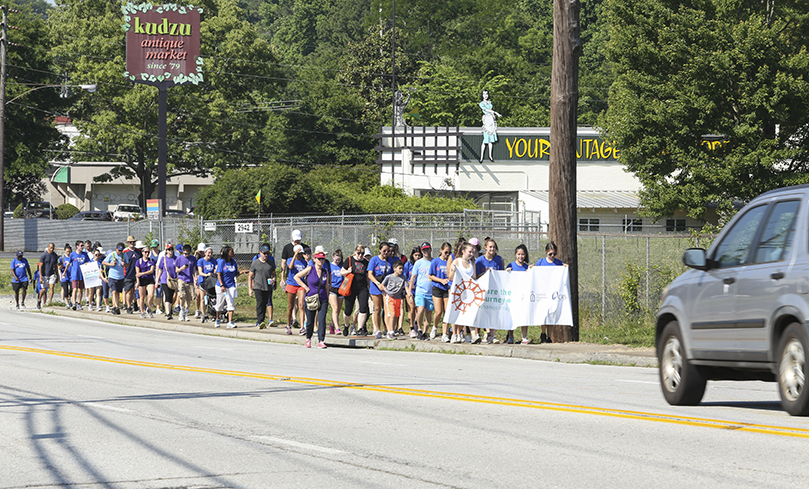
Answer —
501 401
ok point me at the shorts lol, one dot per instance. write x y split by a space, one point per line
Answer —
440 293
129 283
146 281
186 291
292 289
49 280
77 284
66 287
116 284
227 298
105 289
19 285
425 301
393 307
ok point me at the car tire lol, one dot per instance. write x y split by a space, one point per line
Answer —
792 370
681 382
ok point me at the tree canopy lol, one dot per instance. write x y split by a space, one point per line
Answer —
711 98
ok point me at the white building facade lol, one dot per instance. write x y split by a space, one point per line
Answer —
446 161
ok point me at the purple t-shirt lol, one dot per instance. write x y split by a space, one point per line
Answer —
143 265
167 265
318 285
186 275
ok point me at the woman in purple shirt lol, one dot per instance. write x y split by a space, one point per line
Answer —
144 274
166 267
315 280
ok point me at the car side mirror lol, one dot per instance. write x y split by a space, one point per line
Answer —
695 258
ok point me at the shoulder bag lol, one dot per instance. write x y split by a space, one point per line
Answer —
313 301
345 287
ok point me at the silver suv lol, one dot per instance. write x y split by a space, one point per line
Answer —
741 312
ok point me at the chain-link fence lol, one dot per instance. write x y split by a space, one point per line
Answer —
618 273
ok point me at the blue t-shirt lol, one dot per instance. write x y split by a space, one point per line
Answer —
206 266
130 258
518 268
116 270
408 270
36 281
544 263
379 268
336 276
421 270
482 264
64 262
438 268
229 270
76 261
299 266
20 268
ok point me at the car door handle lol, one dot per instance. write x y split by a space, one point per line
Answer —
777 275
729 280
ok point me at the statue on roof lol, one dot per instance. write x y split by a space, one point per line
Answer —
489 124
399 104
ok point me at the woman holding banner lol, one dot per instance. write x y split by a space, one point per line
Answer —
441 285
489 261
464 268
549 260
520 264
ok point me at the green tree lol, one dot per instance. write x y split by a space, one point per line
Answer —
31 139
219 123
731 68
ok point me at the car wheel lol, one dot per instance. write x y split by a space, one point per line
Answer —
792 370
682 383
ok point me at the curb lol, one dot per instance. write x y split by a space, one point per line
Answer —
561 352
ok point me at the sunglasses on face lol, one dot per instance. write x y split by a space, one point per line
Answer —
551 253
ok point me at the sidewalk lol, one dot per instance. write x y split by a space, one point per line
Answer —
556 352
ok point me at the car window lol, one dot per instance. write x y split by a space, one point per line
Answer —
734 248
776 237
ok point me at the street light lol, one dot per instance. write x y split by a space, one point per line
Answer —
3 102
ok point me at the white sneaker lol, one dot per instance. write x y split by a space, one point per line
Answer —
197 314
433 333
231 325
413 333
217 324
107 309
185 317
90 308
445 338
454 339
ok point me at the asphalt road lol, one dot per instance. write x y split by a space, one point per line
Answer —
90 404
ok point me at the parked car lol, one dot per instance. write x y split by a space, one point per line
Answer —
38 209
126 212
92 216
741 312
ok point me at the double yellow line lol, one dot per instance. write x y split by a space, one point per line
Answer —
500 401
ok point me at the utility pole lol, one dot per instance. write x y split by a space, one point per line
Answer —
562 167
393 104
3 48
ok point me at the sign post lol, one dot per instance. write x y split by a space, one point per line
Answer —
162 50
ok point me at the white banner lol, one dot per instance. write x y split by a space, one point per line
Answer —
91 274
507 300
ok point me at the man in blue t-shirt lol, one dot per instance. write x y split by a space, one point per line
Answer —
77 259
20 277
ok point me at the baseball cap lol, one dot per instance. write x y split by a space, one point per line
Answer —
297 248
296 235
169 246
201 247
425 245
320 255
19 252
307 250
101 250
179 247
154 244
474 242
265 248
120 247
393 241
368 252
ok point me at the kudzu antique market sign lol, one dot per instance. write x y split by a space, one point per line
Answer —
162 43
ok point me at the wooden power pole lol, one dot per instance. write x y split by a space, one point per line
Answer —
562 178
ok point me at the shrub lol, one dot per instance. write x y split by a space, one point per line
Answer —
18 212
66 211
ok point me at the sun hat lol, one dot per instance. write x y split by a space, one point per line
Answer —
140 244
130 238
320 249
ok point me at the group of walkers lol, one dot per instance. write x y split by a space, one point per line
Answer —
148 279
386 286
